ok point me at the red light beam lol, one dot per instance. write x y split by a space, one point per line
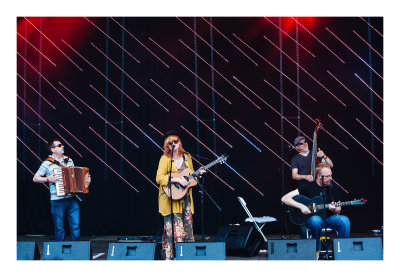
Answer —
54 45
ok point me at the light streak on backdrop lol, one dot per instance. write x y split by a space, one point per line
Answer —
50 84
355 139
323 44
276 132
353 52
45 141
305 71
222 76
178 61
369 130
309 117
119 45
40 95
127 118
273 66
37 50
369 45
100 159
127 96
96 113
54 45
197 35
49 125
377 95
30 171
371 26
183 106
141 43
29 149
294 40
162 134
272 151
158 131
129 76
116 151
223 119
231 42
355 96
231 168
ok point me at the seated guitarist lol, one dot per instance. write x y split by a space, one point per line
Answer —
323 187
183 208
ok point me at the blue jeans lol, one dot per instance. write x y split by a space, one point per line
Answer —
70 207
339 223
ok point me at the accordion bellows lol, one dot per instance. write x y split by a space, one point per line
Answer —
71 179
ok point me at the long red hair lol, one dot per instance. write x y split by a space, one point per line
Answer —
170 138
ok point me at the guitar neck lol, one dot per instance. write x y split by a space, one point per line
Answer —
339 204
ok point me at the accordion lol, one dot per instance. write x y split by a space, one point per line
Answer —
71 179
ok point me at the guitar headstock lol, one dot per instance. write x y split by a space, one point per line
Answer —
222 159
361 201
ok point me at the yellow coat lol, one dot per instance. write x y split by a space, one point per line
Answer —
164 206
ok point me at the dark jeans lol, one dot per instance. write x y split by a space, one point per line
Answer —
340 223
69 207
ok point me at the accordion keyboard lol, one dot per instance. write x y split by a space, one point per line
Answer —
59 182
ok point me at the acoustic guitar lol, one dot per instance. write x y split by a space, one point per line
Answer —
179 191
317 207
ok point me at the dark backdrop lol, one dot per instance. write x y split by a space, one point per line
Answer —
255 172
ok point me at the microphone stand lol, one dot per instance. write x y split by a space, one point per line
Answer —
283 191
170 193
202 191
324 232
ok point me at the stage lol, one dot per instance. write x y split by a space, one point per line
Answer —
100 244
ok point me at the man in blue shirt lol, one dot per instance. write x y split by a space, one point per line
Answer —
60 205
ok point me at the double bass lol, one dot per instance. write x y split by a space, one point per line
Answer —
314 161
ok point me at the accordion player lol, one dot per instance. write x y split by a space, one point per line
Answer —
72 179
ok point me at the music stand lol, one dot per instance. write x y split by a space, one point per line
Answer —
262 220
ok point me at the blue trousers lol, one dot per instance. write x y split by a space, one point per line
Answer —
339 223
70 208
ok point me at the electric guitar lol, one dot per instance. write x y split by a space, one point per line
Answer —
317 207
179 191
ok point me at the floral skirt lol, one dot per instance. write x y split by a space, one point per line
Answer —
183 229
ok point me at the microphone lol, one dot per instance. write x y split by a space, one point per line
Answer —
173 146
290 147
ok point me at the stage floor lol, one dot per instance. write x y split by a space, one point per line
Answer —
99 244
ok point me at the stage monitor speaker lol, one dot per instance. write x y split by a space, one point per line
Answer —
303 249
200 251
131 251
27 250
240 240
358 248
67 250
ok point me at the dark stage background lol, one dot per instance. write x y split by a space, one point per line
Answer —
252 97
